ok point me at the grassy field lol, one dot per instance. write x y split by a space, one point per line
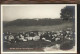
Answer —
38 28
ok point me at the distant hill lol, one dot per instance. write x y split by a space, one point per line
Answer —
5 22
34 22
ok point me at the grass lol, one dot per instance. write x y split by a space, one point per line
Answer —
37 28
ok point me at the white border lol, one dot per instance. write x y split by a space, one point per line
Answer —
40 52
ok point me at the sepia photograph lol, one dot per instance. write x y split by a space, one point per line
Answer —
42 28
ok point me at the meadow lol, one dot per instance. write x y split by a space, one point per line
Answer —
59 27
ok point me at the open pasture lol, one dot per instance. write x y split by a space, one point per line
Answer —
14 29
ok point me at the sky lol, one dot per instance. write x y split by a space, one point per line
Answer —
14 12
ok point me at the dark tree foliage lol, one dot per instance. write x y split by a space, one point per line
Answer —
68 12
34 22
67 45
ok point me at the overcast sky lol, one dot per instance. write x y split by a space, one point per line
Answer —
31 11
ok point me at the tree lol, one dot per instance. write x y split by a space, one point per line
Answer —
68 12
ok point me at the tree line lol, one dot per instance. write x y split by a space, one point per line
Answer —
34 22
